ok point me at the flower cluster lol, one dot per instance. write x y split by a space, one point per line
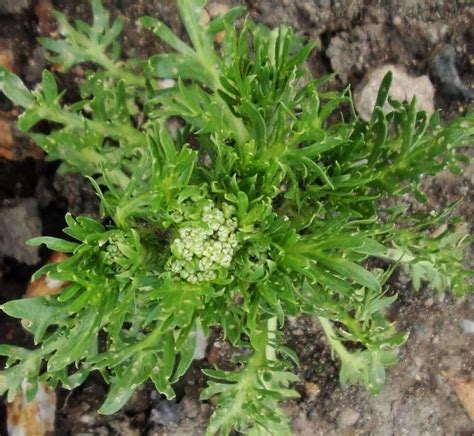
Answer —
205 246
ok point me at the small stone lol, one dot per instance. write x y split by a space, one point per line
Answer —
19 222
201 345
348 417
311 390
6 136
35 64
464 388
397 20
44 11
205 17
7 57
445 72
403 88
217 9
313 414
468 326
214 354
429 302
418 361
165 413
13 6
35 417
166 83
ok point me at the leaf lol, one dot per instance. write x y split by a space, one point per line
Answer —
127 380
177 66
181 300
219 24
54 244
12 86
50 88
28 119
166 34
349 270
36 313
382 94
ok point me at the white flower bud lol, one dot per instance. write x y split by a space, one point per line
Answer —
204 250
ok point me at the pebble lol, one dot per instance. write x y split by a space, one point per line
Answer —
348 417
201 345
313 414
418 361
165 413
397 20
445 72
7 141
217 9
35 417
468 326
19 221
311 390
13 6
44 11
7 57
429 302
403 88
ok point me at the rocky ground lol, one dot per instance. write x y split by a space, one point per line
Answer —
431 42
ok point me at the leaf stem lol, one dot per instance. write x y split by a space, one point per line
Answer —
331 335
126 133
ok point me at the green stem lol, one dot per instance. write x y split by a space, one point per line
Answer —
248 376
331 335
116 70
127 133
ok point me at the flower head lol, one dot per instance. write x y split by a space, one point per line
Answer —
204 247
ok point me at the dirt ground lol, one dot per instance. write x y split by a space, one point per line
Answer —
354 37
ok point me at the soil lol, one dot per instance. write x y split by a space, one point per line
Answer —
354 37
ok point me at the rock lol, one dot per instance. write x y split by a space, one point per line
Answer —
32 418
36 63
350 52
46 21
123 427
15 147
443 68
214 354
403 88
217 9
311 390
165 413
348 417
7 56
201 345
464 388
313 414
6 138
19 222
79 193
468 326
44 285
13 6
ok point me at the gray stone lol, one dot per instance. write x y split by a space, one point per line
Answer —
201 345
19 221
13 6
443 68
165 413
348 417
468 326
403 88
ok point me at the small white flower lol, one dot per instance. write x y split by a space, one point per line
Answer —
203 250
